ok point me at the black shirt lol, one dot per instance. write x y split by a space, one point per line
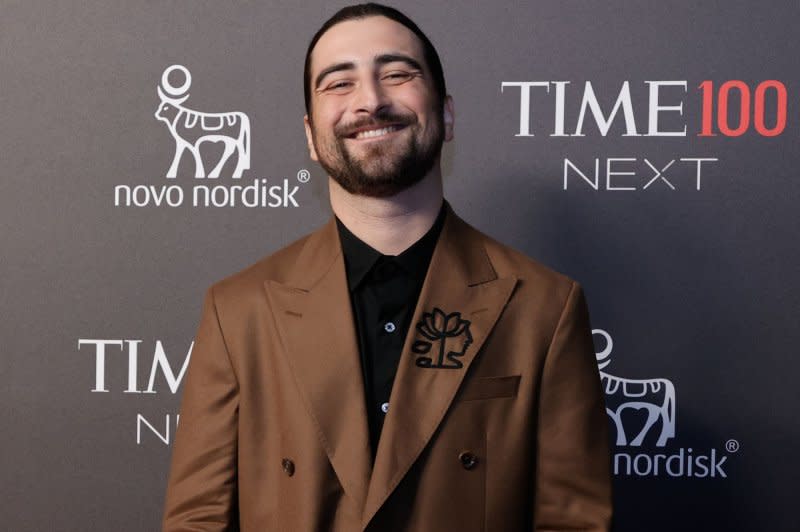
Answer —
383 292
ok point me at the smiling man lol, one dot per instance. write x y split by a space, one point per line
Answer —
378 120
396 370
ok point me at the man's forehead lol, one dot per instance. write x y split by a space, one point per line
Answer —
362 40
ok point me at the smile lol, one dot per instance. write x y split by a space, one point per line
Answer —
373 133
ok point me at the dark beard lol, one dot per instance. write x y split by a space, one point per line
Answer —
413 165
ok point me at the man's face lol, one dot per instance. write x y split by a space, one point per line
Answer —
375 123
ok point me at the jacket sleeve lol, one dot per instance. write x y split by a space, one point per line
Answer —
201 491
573 471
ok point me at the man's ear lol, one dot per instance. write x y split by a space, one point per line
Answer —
312 152
449 118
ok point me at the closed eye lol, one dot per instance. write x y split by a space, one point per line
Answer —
338 87
396 77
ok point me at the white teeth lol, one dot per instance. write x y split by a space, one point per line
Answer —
376 132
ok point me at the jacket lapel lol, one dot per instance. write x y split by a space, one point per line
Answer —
461 300
313 314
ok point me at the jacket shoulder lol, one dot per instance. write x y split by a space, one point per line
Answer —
277 266
541 294
510 262
536 283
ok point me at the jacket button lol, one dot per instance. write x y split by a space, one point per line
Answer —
468 460
288 466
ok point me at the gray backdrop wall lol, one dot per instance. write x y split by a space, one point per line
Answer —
676 214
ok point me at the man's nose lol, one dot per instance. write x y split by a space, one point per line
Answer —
370 97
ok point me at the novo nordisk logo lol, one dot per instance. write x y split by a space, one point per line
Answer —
625 399
191 128
195 135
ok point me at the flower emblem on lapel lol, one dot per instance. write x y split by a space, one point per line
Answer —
449 332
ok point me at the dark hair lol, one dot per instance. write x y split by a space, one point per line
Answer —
360 11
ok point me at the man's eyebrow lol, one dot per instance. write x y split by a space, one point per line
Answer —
384 59
348 65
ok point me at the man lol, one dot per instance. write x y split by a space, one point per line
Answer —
396 369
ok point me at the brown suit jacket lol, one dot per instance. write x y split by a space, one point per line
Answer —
496 420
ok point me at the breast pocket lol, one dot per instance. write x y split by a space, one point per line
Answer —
489 388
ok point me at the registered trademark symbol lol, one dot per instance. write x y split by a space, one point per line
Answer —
303 175
732 446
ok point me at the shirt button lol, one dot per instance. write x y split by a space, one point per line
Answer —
388 269
389 327
383 271
468 460
385 407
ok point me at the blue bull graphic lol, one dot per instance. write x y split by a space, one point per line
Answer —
655 396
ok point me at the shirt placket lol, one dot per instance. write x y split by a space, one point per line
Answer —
392 298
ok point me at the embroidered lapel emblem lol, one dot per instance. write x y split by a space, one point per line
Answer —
451 335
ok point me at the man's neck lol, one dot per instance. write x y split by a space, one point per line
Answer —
390 225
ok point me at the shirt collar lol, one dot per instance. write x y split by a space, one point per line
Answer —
360 257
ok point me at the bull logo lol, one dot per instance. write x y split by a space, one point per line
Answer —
449 332
192 128
655 396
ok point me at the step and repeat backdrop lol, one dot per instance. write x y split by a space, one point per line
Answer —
647 149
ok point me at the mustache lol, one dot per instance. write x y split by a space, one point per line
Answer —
382 119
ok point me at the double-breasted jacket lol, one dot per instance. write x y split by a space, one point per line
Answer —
496 423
